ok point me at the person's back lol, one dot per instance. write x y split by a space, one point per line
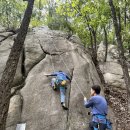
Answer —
61 75
99 105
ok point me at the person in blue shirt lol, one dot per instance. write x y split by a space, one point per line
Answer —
99 109
60 81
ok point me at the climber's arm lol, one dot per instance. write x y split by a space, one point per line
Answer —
88 103
68 78
53 74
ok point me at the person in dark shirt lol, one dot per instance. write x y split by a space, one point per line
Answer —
99 109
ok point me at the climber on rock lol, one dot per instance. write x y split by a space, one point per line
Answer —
60 82
99 109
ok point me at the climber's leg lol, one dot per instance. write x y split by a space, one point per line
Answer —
62 94
93 126
53 83
62 97
102 126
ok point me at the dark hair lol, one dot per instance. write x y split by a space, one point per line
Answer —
60 70
96 88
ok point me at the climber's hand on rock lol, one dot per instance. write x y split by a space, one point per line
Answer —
46 75
85 99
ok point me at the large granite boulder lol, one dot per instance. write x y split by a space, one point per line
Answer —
36 104
44 102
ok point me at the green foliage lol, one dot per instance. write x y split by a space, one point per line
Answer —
11 13
96 14
86 14
73 16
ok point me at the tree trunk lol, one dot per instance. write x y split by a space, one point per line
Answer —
106 43
91 40
129 47
94 57
7 15
95 40
125 15
94 53
11 66
40 5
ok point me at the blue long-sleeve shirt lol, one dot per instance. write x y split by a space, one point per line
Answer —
97 104
61 75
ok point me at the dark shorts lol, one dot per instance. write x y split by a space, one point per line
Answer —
93 125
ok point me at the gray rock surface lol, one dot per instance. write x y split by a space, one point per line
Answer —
112 53
111 69
14 113
48 113
5 48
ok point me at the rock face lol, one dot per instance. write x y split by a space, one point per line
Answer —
112 54
36 104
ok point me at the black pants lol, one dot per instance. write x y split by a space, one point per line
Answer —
95 124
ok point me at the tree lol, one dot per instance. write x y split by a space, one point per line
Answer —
106 43
11 65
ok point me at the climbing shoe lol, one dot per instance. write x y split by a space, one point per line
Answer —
64 107
65 87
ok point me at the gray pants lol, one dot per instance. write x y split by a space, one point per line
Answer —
62 89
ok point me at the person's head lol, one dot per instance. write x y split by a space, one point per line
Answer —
60 70
95 89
